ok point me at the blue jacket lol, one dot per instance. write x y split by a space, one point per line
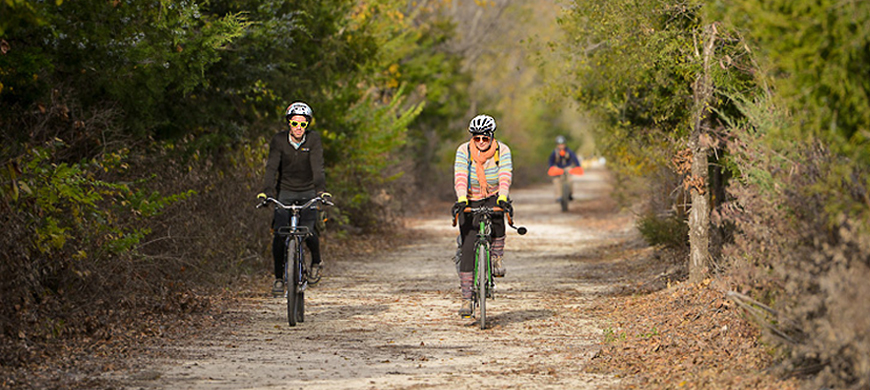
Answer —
569 159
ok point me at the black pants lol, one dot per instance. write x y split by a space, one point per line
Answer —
468 228
307 217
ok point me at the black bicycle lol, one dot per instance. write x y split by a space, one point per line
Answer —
484 283
297 265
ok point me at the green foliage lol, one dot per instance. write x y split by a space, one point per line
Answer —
670 231
801 197
144 55
611 335
369 160
70 209
636 65
816 56
16 12
162 97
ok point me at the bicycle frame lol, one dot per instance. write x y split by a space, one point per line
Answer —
483 258
483 278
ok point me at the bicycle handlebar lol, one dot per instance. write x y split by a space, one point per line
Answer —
492 210
295 207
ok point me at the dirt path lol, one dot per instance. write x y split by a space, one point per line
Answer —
389 321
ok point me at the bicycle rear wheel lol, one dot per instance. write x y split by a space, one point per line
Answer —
291 272
482 282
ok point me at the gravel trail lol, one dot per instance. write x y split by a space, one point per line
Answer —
388 320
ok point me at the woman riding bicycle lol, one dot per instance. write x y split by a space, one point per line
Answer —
482 177
294 172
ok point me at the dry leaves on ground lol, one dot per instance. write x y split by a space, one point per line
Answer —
685 336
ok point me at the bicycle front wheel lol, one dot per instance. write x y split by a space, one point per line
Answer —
303 277
483 271
291 271
566 193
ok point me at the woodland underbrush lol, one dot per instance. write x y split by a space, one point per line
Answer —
803 256
787 303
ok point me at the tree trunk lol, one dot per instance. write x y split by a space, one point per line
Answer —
699 215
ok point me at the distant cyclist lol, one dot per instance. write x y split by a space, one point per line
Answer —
295 174
482 177
564 158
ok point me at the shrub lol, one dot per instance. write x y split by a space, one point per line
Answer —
69 239
668 230
804 248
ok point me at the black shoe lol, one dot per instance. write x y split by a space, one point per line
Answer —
315 273
278 288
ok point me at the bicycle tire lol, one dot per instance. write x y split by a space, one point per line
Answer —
566 193
300 305
482 278
291 270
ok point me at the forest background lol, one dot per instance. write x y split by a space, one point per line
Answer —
134 135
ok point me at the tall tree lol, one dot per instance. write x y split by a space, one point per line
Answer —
699 216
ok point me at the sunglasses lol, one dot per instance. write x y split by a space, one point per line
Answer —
298 124
481 138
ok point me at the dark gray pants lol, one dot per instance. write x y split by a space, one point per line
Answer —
468 231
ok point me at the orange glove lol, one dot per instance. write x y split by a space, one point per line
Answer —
555 171
576 171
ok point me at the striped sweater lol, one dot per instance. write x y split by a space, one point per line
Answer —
498 177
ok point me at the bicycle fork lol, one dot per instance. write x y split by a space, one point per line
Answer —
300 264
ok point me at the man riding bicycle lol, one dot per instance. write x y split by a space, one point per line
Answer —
564 158
482 177
295 174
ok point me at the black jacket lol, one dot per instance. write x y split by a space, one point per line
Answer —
291 169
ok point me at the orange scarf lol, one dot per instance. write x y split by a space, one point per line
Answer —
480 158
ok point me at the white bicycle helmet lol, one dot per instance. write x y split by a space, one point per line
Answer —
482 125
560 139
298 108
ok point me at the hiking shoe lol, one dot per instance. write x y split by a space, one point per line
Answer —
465 310
498 268
278 288
315 273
